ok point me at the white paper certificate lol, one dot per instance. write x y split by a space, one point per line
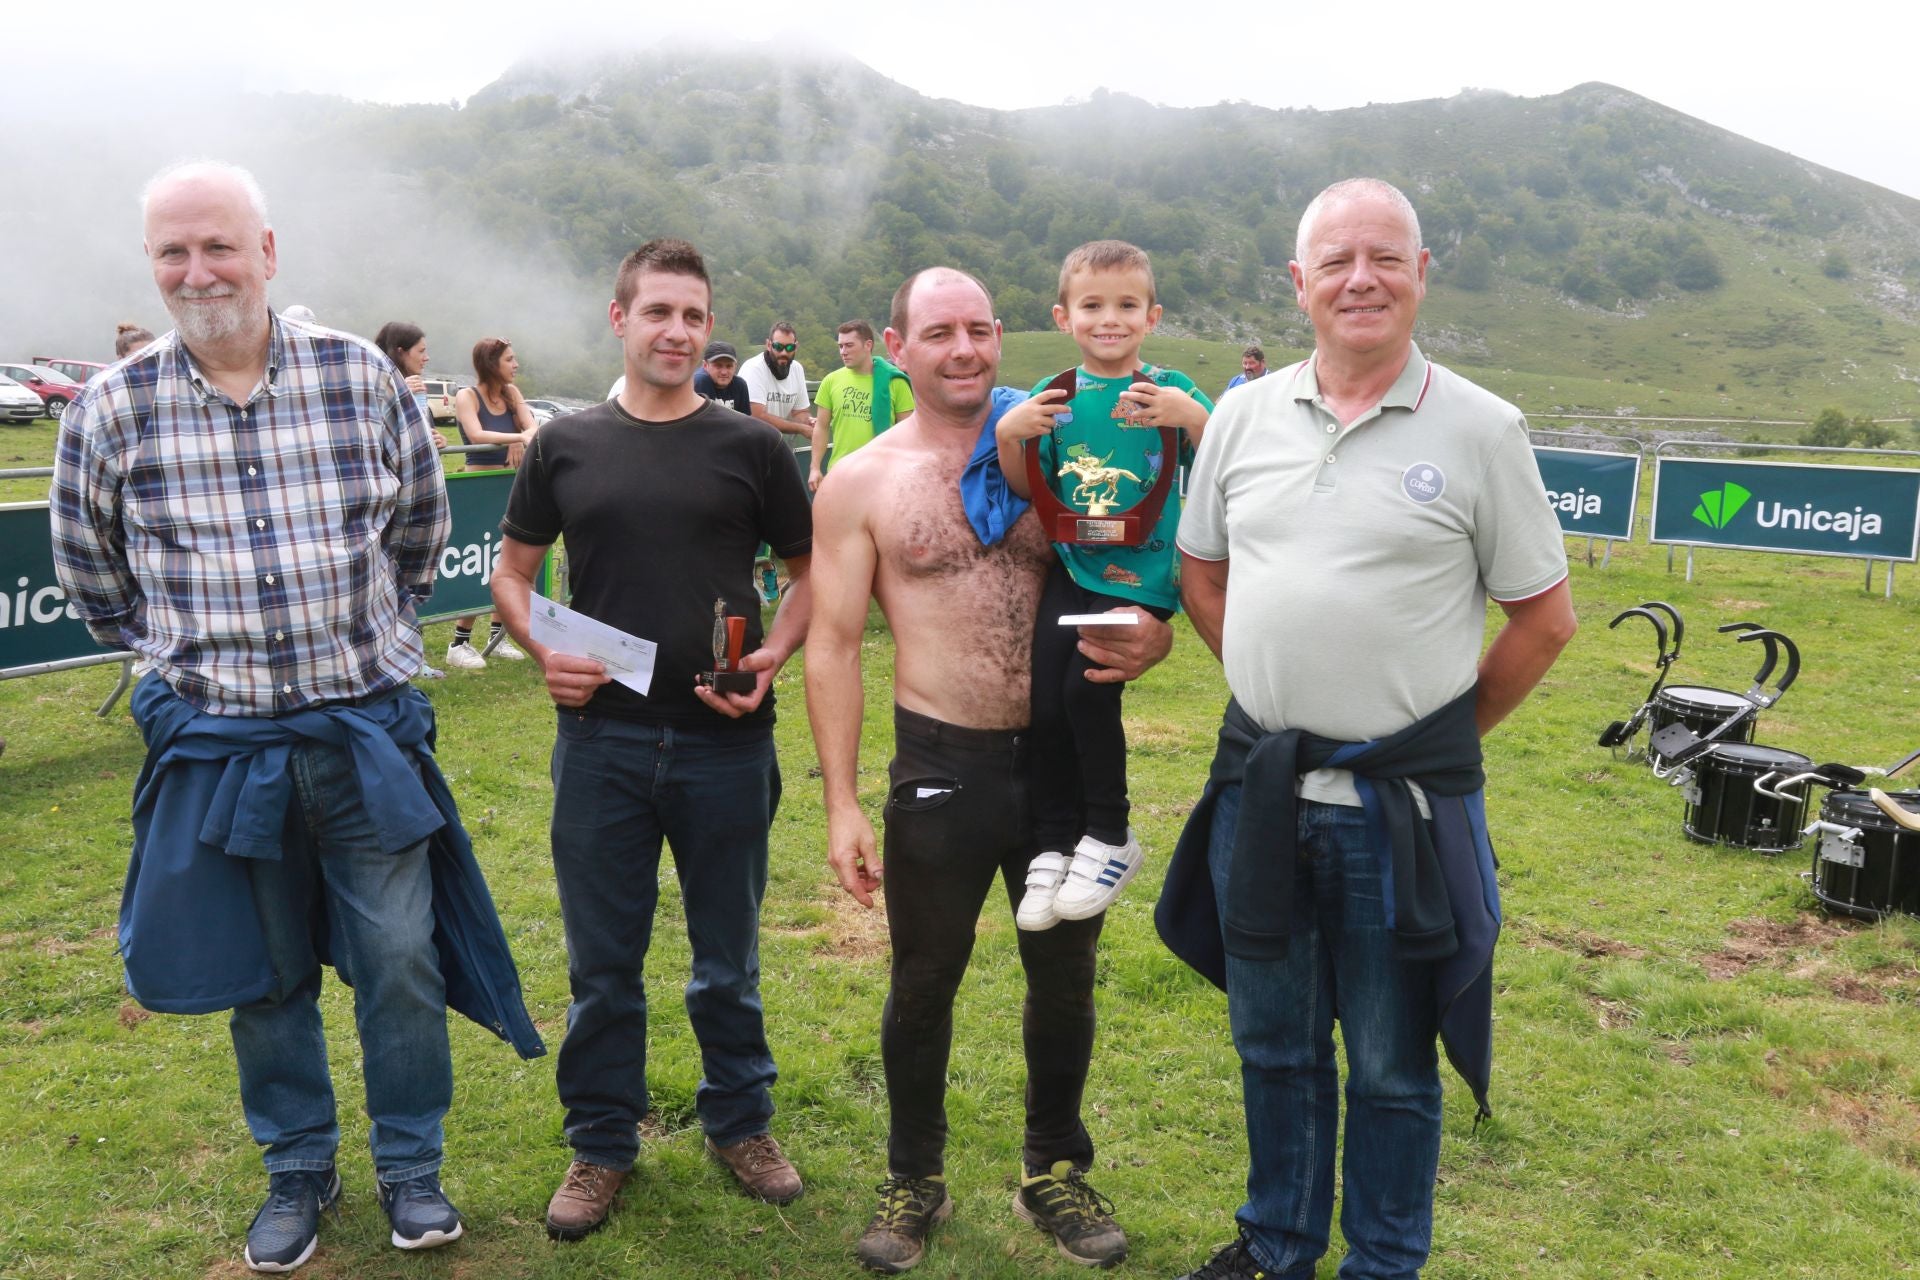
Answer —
1100 620
628 659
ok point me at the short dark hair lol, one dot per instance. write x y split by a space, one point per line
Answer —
397 336
666 255
1106 255
860 327
897 313
1256 353
785 327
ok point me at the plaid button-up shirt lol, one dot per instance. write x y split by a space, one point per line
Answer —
263 556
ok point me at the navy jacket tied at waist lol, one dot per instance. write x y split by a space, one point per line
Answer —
1437 876
215 793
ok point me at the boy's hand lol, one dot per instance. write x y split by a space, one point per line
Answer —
1030 418
1153 405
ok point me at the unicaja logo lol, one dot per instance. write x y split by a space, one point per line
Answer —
1719 506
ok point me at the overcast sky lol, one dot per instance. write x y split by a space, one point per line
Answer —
1830 82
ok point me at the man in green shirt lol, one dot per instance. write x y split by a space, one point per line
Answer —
847 398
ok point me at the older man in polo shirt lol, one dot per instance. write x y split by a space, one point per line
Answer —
1369 502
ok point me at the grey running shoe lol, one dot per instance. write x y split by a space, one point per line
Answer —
284 1232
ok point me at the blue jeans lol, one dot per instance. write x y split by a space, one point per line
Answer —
619 788
1339 965
378 910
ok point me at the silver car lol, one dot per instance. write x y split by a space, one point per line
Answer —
17 403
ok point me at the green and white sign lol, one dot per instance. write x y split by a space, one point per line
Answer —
1812 509
1593 493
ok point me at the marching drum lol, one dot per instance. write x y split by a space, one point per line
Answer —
1724 808
1865 864
1701 710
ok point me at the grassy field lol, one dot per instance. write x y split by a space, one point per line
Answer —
1697 1074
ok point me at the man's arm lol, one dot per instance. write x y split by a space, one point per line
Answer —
89 544
844 561
788 634
1119 654
1535 632
571 680
1203 593
822 433
422 518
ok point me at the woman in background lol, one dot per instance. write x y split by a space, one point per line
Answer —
129 338
492 413
405 344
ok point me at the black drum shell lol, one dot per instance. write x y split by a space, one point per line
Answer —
1877 874
1723 808
1681 704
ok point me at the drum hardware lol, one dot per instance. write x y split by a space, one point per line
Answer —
1620 732
1727 803
1675 744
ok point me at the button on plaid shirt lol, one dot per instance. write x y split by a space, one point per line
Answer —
263 556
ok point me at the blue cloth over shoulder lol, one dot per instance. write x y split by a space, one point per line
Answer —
1437 876
991 506
214 794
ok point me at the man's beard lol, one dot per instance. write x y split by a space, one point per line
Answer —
204 325
778 366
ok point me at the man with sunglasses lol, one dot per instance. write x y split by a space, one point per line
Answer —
777 384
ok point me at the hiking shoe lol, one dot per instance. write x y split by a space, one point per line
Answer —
421 1214
769 583
1044 874
763 1170
465 657
1096 876
896 1239
282 1235
583 1201
506 648
1235 1262
1079 1219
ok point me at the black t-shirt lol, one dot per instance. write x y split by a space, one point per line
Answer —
733 395
660 520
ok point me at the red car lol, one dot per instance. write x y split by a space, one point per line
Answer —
56 389
81 371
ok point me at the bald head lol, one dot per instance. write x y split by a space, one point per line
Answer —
208 175
1356 189
212 254
929 277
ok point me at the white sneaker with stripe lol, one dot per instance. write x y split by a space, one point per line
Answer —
1098 873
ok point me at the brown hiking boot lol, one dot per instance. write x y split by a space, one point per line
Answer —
583 1201
761 1168
896 1239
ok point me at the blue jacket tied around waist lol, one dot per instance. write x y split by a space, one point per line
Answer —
214 793
1437 876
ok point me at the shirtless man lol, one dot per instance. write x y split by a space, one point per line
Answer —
889 523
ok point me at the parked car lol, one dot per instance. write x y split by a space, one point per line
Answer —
543 410
56 389
440 392
17 403
81 371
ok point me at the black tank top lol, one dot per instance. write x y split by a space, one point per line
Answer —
491 421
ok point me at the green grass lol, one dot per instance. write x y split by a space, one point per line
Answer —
1696 1074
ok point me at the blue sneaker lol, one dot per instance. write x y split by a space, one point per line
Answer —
421 1214
284 1232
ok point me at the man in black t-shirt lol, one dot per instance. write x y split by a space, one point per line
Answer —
716 382
662 498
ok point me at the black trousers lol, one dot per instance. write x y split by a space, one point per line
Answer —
956 816
1079 770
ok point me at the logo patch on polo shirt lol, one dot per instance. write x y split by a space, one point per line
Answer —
1423 482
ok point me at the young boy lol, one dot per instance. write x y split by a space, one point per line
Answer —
1079 747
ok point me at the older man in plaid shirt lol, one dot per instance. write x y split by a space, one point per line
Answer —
253 505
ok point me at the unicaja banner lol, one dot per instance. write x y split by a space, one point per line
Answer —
1813 509
1593 493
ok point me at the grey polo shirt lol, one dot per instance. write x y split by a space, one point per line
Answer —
1362 556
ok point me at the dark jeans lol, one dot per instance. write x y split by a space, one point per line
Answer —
956 816
619 788
379 914
1339 965
1079 765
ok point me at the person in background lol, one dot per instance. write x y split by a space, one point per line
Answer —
406 345
1253 363
129 338
495 413
848 416
715 379
301 312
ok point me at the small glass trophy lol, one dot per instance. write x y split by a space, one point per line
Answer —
729 636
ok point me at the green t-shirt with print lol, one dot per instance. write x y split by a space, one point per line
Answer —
850 397
1095 425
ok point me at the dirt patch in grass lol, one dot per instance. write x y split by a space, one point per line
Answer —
1612 1014
1587 943
1758 942
854 932
132 1015
1848 988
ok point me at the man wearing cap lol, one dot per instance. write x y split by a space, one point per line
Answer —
716 382
857 401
